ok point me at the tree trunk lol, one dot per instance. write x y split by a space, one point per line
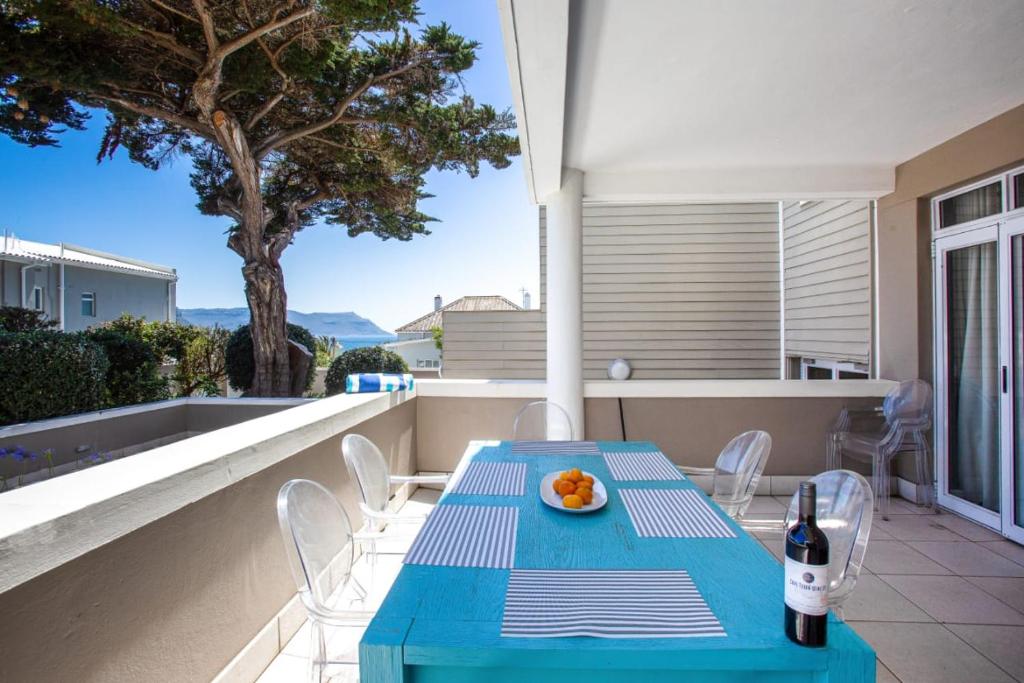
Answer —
268 305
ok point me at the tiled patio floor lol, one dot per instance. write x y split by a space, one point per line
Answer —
940 599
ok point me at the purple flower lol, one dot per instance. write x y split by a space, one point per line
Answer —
3 452
18 454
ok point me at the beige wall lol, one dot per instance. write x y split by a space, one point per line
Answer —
904 235
691 431
176 599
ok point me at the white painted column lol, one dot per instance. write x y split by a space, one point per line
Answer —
565 299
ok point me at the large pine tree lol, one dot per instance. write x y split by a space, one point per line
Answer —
292 111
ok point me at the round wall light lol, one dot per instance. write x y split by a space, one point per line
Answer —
619 369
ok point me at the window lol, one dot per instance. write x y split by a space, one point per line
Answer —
811 368
971 205
428 363
36 301
1017 190
89 304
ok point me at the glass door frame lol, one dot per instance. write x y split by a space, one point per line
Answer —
951 242
1008 229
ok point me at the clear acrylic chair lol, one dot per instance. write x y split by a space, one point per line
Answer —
737 471
369 471
319 543
877 435
542 421
844 512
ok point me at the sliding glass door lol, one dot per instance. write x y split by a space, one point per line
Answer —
968 388
1012 283
979 367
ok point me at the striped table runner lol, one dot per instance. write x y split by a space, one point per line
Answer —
555 603
493 479
467 536
555 448
673 513
641 466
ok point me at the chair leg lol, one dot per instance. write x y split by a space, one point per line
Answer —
838 611
881 464
317 653
924 472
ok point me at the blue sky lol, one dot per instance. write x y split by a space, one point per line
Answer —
485 242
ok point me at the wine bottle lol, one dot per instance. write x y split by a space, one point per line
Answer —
806 574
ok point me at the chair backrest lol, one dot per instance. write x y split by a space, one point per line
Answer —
368 469
542 421
738 471
317 538
845 506
911 403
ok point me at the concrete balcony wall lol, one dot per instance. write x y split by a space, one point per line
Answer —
179 595
690 420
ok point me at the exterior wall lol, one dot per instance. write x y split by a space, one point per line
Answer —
116 293
691 431
683 291
494 345
827 266
417 350
904 235
177 599
41 275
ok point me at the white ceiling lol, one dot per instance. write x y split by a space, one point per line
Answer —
715 98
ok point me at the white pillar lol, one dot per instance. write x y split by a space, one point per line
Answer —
565 299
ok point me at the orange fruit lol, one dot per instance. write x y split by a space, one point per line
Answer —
572 501
575 475
589 479
566 488
585 494
565 476
555 483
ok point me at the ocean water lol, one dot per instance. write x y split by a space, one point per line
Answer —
348 343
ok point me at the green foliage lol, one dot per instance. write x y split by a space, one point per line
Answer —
47 374
196 353
17 319
239 360
366 359
344 109
437 334
133 373
326 349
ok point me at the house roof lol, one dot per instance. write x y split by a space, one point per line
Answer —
70 254
466 303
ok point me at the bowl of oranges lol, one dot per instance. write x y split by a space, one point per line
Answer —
573 491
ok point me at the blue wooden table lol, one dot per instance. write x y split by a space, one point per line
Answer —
442 623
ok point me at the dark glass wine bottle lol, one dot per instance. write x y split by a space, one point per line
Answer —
806 574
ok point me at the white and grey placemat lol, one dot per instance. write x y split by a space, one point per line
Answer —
555 448
556 603
467 536
492 479
641 466
673 513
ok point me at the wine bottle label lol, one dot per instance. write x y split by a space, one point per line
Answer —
807 587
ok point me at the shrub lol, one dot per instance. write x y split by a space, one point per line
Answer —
133 374
366 359
17 319
48 374
196 352
239 361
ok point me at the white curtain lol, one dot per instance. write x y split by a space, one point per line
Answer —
974 373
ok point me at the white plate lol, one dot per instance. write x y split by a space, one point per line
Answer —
548 495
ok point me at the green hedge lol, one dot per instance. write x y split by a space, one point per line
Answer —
49 374
366 359
241 366
133 375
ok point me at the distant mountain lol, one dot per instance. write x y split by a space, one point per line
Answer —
343 326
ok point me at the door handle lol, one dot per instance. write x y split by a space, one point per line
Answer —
1006 387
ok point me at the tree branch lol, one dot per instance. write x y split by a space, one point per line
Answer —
284 137
173 10
243 40
185 122
206 19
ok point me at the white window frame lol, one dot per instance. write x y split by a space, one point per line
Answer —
92 299
1007 210
834 366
